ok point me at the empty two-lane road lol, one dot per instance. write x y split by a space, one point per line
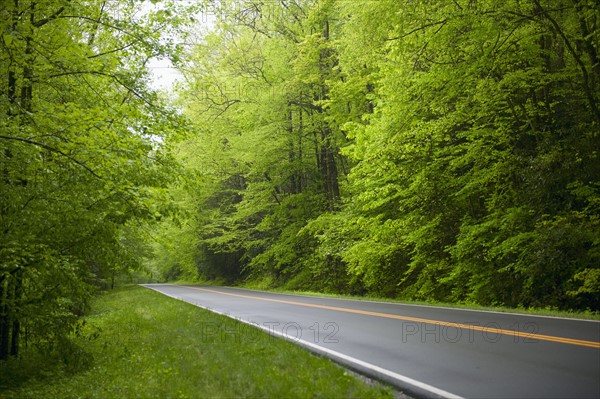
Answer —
427 351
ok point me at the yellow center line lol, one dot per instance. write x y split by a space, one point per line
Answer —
490 330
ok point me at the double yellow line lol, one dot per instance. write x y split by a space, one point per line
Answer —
487 330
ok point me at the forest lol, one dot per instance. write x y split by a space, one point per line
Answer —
423 150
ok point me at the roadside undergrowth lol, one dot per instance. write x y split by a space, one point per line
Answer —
139 343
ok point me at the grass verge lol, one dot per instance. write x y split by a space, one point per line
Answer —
140 344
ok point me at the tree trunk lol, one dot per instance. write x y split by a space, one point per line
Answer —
328 169
302 174
16 323
328 165
294 185
4 321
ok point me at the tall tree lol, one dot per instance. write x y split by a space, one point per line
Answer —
476 155
426 150
84 147
278 153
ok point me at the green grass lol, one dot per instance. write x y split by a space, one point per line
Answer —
140 344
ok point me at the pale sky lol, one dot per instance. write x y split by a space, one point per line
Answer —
164 74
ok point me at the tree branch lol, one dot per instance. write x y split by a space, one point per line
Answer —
443 22
55 150
584 72
306 105
44 21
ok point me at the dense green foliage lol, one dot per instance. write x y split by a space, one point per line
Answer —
430 150
427 150
84 156
141 344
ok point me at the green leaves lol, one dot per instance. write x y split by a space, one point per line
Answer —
84 155
8 39
461 96
431 150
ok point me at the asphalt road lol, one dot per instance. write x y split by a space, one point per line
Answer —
425 351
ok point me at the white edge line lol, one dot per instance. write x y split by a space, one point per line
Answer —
375 369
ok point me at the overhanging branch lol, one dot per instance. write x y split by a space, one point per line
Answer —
54 150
